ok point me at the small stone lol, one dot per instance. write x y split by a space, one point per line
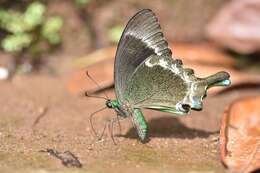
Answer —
4 73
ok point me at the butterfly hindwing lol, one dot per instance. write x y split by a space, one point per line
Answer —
161 83
156 84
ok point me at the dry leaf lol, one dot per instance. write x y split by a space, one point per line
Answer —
240 135
102 73
237 26
95 57
203 58
237 77
201 53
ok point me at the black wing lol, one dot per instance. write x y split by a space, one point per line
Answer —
141 38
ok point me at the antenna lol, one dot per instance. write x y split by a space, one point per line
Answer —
92 79
94 96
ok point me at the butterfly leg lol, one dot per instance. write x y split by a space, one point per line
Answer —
111 129
91 122
119 124
102 134
111 126
140 124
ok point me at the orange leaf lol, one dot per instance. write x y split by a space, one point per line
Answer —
240 135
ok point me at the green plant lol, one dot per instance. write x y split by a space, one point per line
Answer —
26 32
114 33
81 3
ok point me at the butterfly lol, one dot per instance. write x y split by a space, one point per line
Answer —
147 76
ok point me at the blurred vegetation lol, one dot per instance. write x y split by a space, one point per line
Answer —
247 61
81 3
114 33
29 32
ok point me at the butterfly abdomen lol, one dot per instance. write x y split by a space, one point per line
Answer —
140 124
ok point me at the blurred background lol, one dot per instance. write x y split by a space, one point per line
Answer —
47 46
36 35
55 37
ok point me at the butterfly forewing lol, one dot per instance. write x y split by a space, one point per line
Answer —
141 38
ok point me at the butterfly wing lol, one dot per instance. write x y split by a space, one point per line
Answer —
141 38
161 83
146 75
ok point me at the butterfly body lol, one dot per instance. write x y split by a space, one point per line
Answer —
136 115
148 76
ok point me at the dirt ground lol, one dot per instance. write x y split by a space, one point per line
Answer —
185 144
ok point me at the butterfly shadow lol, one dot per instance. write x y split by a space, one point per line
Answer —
170 127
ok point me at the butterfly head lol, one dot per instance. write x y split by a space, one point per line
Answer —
109 104
112 104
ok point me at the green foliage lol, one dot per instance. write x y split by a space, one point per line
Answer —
114 33
51 28
33 15
24 31
81 3
16 42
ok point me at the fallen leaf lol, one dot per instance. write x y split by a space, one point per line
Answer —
201 53
240 135
237 26
237 77
203 58
95 57
102 73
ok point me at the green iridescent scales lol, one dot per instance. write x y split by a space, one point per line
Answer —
162 88
147 76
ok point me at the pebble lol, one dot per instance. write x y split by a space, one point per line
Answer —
4 73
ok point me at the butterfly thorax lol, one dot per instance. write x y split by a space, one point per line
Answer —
121 109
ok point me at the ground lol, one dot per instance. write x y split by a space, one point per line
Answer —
38 111
177 144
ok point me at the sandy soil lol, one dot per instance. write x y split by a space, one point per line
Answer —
177 144
185 144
